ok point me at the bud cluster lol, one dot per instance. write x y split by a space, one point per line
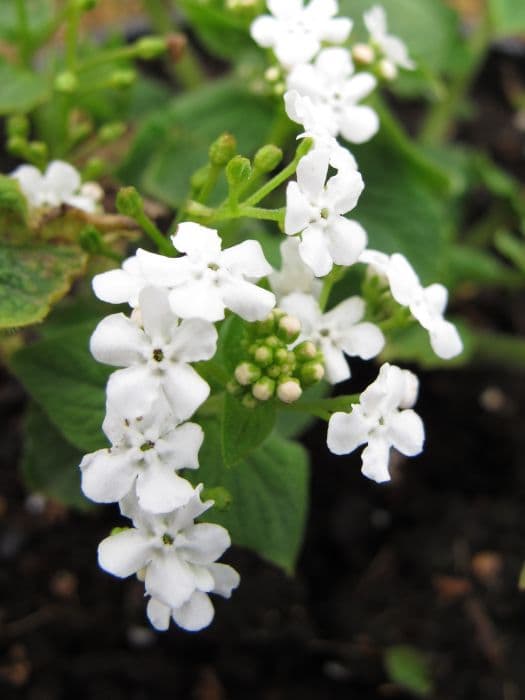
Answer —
272 367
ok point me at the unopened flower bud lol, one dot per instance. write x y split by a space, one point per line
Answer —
265 327
66 82
267 158
263 356
222 150
90 240
311 373
221 497
272 341
274 371
18 126
111 132
387 70
248 401
281 356
17 145
123 78
234 388
238 171
289 390
272 74
263 389
150 47
37 151
247 373
305 351
363 54
289 329
129 202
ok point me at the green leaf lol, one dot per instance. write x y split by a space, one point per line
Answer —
269 491
408 667
412 344
50 464
244 429
33 277
67 383
466 265
291 424
174 143
231 349
22 90
507 17
224 32
40 14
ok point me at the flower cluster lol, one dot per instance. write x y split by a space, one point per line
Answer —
150 399
177 299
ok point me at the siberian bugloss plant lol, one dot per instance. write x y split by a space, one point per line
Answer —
287 244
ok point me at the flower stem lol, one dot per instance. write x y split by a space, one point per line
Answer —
272 184
24 31
156 236
329 281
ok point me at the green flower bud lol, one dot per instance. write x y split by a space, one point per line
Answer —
267 158
311 372
281 356
221 497
129 202
272 341
222 150
263 356
111 132
90 240
79 132
17 145
150 47
305 351
66 82
248 401
265 327
274 371
246 373
18 126
289 329
263 389
234 388
289 390
123 78
238 171
37 151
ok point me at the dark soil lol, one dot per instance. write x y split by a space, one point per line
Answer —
431 560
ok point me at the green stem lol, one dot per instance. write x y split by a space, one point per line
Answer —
156 236
102 57
272 184
72 26
441 117
323 408
24 32
329 281
251 213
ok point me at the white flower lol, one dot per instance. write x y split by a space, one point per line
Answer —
197 612
314 210
294 275
334 91
210 279
147 450
295 32
383 419
427 304
391 46
144 269
60 184
336 333
155 356
171 552
302 110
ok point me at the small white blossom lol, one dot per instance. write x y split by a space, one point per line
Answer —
335 91
383 419
337 333
210 279
295 32
294 275
156 356
315 211
170 552
59 184
302 110
391 46
427 304
197 612
147 449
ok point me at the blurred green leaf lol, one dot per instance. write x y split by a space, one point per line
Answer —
40 14
22 90
50 463
33 277
507 17
269 489
412 344
408 667
68 384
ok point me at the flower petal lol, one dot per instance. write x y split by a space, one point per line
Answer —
197 241
158 614
185 390
314 251
118 341
343 191
375 459
358 123
180 447
365 340
204 543
197 299
193 341
246 259
196 614
107 475
249 301
298 210
311 173
125 553
225 577
406 432
346 240
158 319
161 490
445 340
169 579
346 431
62 179
117 287
336 366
